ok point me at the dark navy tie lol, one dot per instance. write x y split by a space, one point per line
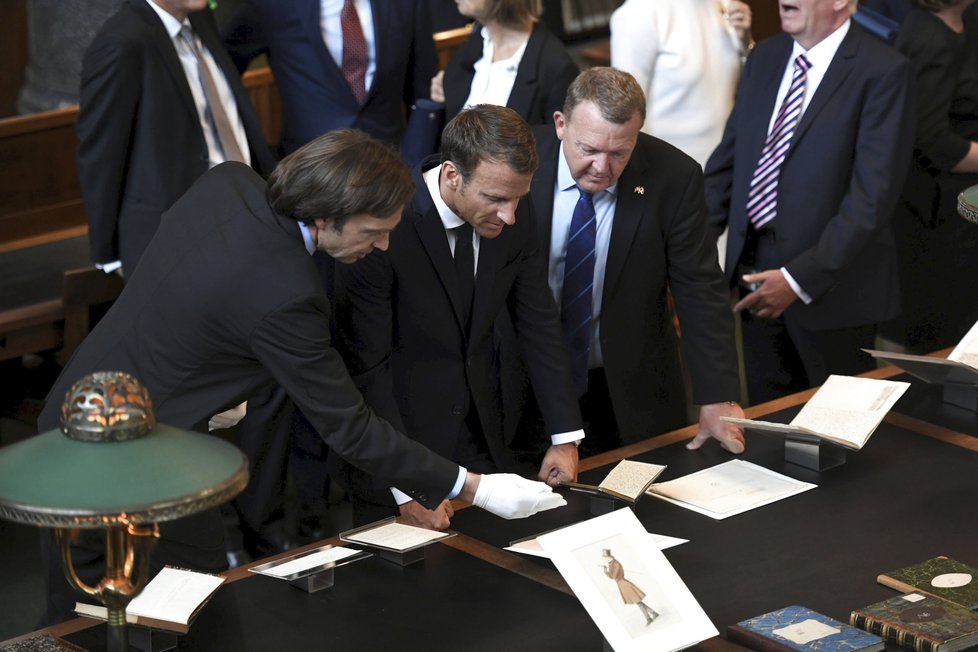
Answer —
465 269
576 299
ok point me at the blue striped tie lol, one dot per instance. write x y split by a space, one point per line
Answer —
576 299
762 198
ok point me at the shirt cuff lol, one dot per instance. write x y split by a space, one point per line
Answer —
400 497
108 268
795 287
457 489
567 437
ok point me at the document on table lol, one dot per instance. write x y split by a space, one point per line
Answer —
966 352
846 410
305 562
395 536
728 489
532 545
174 595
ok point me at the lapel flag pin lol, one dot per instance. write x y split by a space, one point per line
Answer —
639 190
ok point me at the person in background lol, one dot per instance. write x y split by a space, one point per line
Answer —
807 177
938 266
511 59
339 64
161 103
686 55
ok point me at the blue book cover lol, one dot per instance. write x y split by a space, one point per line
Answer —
800 628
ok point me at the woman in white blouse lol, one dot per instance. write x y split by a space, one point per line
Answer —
687 55
511 60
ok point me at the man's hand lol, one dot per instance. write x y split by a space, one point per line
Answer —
509 496
739 18
771 299
438 87
731 437
439 518
559 464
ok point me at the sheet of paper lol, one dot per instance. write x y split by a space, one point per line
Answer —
532 546
728 489
966 352
173 595
396 536
628 587
849 409
630 478
319 558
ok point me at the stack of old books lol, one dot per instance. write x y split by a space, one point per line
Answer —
936 612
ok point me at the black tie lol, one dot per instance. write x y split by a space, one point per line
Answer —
465 269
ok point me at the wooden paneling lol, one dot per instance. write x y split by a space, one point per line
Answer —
13 52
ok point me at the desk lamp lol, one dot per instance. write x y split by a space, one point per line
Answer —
111 466
968 204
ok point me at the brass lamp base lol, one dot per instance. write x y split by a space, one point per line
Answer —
127 550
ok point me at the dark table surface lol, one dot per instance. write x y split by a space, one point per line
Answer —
910 494
903 498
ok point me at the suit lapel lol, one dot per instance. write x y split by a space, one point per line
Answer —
542 186
431 233
629 211
313 23
765 90
526 74
489 260
168 55
837 72
381 19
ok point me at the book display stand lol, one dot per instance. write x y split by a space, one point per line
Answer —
402 558
601 505
311 571
146 639
402 547
959 381
962 396
813 452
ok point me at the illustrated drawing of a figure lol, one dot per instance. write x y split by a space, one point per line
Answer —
630 594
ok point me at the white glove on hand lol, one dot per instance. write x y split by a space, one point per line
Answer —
510 496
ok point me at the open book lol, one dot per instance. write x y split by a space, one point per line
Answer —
960 367
627 481
846 410
170 601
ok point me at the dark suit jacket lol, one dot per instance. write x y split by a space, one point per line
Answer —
315 97
839 184
398 326
226 300
542 78
140 144
659 240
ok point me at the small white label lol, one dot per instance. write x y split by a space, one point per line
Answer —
806 631
913 597
951 580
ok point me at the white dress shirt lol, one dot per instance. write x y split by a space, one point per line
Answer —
188 61
492 81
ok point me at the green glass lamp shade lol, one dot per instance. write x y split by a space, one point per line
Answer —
968 204
112 463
